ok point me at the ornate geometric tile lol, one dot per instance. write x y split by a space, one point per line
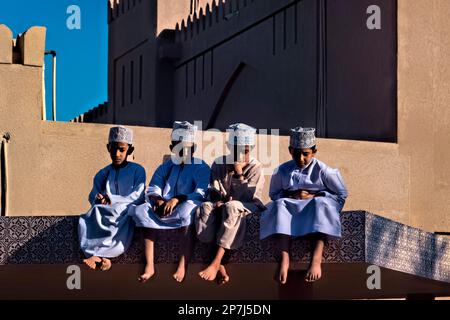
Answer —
402 248
365 238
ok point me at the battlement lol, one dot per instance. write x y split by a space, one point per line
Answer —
98 114
209 17
224 19
117 8
28 49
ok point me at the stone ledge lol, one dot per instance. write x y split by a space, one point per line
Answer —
366 238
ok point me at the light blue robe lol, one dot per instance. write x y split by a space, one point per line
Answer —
107 230
301 217
169 180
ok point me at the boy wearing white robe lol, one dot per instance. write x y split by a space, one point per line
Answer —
308 197
177 187
106 230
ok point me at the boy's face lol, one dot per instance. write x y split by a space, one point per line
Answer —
182 151
302 157
118 152
241 153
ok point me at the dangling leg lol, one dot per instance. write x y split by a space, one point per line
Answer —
210 272
224 278
92 262
187 247
231 234
149 241
314 271
106 264
284 245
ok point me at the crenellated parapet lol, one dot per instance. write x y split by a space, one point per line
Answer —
28 49
118 8
97 114
222 20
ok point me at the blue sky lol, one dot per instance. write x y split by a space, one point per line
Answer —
82 55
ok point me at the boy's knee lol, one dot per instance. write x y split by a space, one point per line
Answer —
234 207
319 201
206 207
204 210
280 202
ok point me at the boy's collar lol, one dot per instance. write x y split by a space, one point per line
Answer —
307 166
122 165
192 161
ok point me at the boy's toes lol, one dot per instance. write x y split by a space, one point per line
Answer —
106 264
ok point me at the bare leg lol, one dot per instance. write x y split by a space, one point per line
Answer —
314 271
284 243
149 270
224 278
232 227
210 272
92 262
187 241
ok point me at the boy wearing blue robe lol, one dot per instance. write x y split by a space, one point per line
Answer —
177 187
106 230
307 198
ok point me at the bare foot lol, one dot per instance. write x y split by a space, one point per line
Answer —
180 273
224 277
209 273
314 272
149 271
106 264
92 262
284 268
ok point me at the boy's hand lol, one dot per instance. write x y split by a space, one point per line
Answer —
170 205
102 199
301 194
306 195
158 207
159 203
218 204
99 198
107 199
238 167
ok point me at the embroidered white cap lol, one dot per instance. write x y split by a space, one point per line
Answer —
241 134
183 131
120 134
302 138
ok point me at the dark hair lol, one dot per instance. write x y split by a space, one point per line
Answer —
313 148
129 144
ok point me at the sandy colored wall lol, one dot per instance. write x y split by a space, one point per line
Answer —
423 108
76 151
51 164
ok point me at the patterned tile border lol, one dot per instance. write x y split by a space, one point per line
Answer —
365 238
402 248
